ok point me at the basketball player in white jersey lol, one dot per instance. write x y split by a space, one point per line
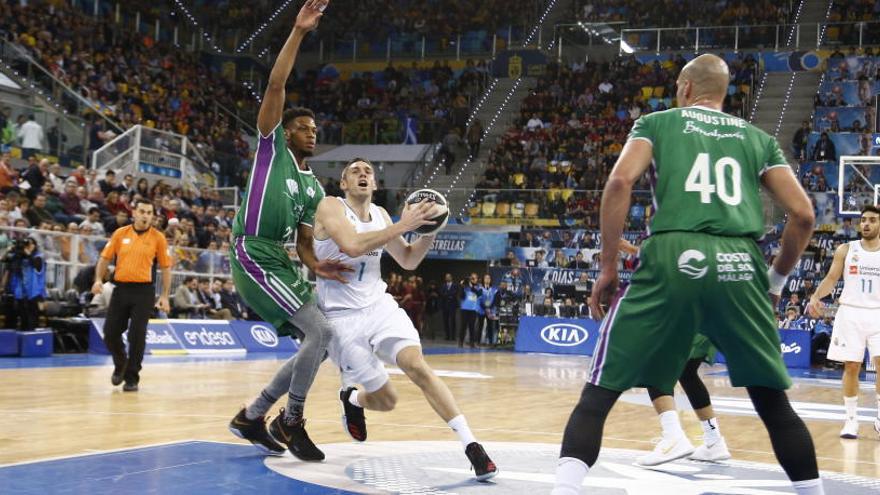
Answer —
856 323
370 327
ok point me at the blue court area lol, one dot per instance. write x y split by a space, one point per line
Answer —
77 360
193 468
437 468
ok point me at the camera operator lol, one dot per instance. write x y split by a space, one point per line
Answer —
470 295
25 280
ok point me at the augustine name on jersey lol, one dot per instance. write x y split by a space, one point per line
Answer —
716 120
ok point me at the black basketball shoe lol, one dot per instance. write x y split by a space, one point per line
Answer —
254 431
293 434
484 468
353 416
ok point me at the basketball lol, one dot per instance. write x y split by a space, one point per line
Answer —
441 211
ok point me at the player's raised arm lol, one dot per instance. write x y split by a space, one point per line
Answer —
331 219
273 99
784 187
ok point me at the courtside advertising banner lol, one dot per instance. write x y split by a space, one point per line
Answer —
557 335
207 337
259 336
161 338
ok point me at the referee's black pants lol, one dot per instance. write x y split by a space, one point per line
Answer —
129 302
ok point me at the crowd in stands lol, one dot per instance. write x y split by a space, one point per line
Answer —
413 103
571 129
677 13
129 76
71 217
844 123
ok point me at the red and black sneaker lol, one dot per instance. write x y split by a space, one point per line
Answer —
484 468
353 419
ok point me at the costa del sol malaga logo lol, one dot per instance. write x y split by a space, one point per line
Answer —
564 334
264 336
693 264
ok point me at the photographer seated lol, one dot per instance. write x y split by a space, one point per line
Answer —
25 279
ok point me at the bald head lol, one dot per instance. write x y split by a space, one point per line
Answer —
704 80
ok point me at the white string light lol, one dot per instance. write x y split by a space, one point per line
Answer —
794 21
824 25
758 97
785 104
195 23
250 39
501 108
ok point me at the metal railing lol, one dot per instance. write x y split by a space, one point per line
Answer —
65 136
67 254
152 152
37 79
775 36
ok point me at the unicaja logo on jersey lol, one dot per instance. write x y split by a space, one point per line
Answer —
264 336
692 263
293 187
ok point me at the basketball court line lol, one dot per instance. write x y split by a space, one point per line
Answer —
336 421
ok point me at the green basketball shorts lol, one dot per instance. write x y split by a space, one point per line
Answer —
268 281
688 281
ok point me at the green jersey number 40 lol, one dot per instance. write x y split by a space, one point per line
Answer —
701 179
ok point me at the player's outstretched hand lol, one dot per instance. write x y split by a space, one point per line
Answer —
816 309
333 270
417 215
310 14
603 292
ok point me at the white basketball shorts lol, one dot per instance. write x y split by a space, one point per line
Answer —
363 339
854 329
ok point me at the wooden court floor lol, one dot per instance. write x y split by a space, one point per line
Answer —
55 412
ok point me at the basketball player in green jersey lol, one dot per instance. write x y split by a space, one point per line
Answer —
281 199
700 268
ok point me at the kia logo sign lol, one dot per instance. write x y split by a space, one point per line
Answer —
564 334
264 336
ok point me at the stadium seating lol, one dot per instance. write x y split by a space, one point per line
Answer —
570 132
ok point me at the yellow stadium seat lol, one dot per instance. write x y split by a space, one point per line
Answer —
659 91
833 33
488 209
502 209
531 210
647 92
567 193
474 209
516 210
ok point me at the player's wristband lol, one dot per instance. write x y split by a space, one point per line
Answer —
777 281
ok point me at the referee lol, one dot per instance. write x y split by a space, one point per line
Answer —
136 248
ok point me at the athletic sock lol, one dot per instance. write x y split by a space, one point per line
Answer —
295 408
711 431
852 405
460 426
570 474
809 487
353 398
670 424
260 406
